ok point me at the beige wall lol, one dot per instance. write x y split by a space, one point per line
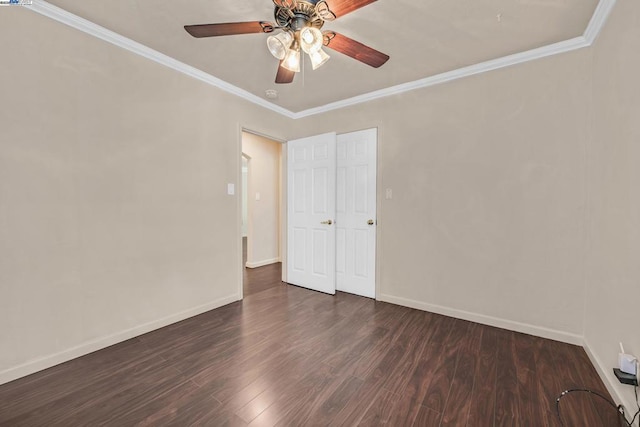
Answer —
114 217
613 263
487 219
264 214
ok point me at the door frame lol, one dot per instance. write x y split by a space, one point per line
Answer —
242 195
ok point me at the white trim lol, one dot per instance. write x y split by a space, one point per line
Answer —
609 380
45 362
239 210
598 20
596 24
262 263
486 320
67 18
482 67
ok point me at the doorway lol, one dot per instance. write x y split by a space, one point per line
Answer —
261 213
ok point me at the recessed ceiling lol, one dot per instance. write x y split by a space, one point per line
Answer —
423 37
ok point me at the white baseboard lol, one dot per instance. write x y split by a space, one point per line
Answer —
34 366
610 381
262 263
486 320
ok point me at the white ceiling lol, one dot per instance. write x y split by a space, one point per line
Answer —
423 38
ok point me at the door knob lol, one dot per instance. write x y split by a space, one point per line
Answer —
328 222
371 222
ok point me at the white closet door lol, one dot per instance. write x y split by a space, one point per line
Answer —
311 232
356 213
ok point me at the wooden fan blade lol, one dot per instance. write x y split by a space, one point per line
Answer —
354 49
284 76
342 7
229 28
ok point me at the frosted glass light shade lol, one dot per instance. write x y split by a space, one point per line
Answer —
318 58
279 44
310 39
292 60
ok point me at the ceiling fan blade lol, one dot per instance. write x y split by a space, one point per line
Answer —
354 49
342 7
284 76
229 28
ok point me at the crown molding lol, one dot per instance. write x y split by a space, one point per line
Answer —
591 33
67 18
482 67
598 20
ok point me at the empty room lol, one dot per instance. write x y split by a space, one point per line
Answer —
306 212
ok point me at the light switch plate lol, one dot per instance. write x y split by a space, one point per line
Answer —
231 189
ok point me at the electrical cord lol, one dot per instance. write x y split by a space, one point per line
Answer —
619 408
635 390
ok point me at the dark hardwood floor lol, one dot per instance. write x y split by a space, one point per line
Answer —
259 279
287 356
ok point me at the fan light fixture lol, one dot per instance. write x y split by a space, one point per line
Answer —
279 44
292 61
310 39
287 46
318 58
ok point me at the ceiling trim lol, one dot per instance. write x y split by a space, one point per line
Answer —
482 67
592 31
599 18
597 22
68 18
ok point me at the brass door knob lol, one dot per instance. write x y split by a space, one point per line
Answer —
371 222
328 222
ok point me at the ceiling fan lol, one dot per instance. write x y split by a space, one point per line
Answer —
300 22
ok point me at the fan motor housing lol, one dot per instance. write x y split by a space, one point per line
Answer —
302 15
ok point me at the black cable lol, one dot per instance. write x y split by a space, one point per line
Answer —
635 390
619 408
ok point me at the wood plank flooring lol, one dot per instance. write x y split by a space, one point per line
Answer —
256 280
286 356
